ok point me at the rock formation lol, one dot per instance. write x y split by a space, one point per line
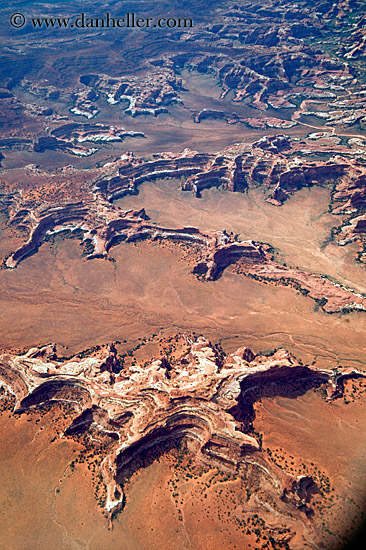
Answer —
68 137
272 162
136 94
101 227
204 399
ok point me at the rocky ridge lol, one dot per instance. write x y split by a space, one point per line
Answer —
100 229
275 59
205 399
275 163
69 138
279 164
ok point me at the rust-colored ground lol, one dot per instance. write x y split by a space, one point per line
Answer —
50 492
45 502
307 436
57 295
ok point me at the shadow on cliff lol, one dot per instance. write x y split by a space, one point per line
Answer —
141 458
244 411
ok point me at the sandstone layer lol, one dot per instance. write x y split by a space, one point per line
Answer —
204 398
272 163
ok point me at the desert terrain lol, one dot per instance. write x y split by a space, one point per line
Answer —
182 278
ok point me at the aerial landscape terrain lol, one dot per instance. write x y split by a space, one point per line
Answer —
182 274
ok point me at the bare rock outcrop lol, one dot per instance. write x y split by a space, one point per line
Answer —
272 162
203 400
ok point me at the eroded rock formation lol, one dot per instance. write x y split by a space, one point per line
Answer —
204 398
137 94
100 228
276 163
69 137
